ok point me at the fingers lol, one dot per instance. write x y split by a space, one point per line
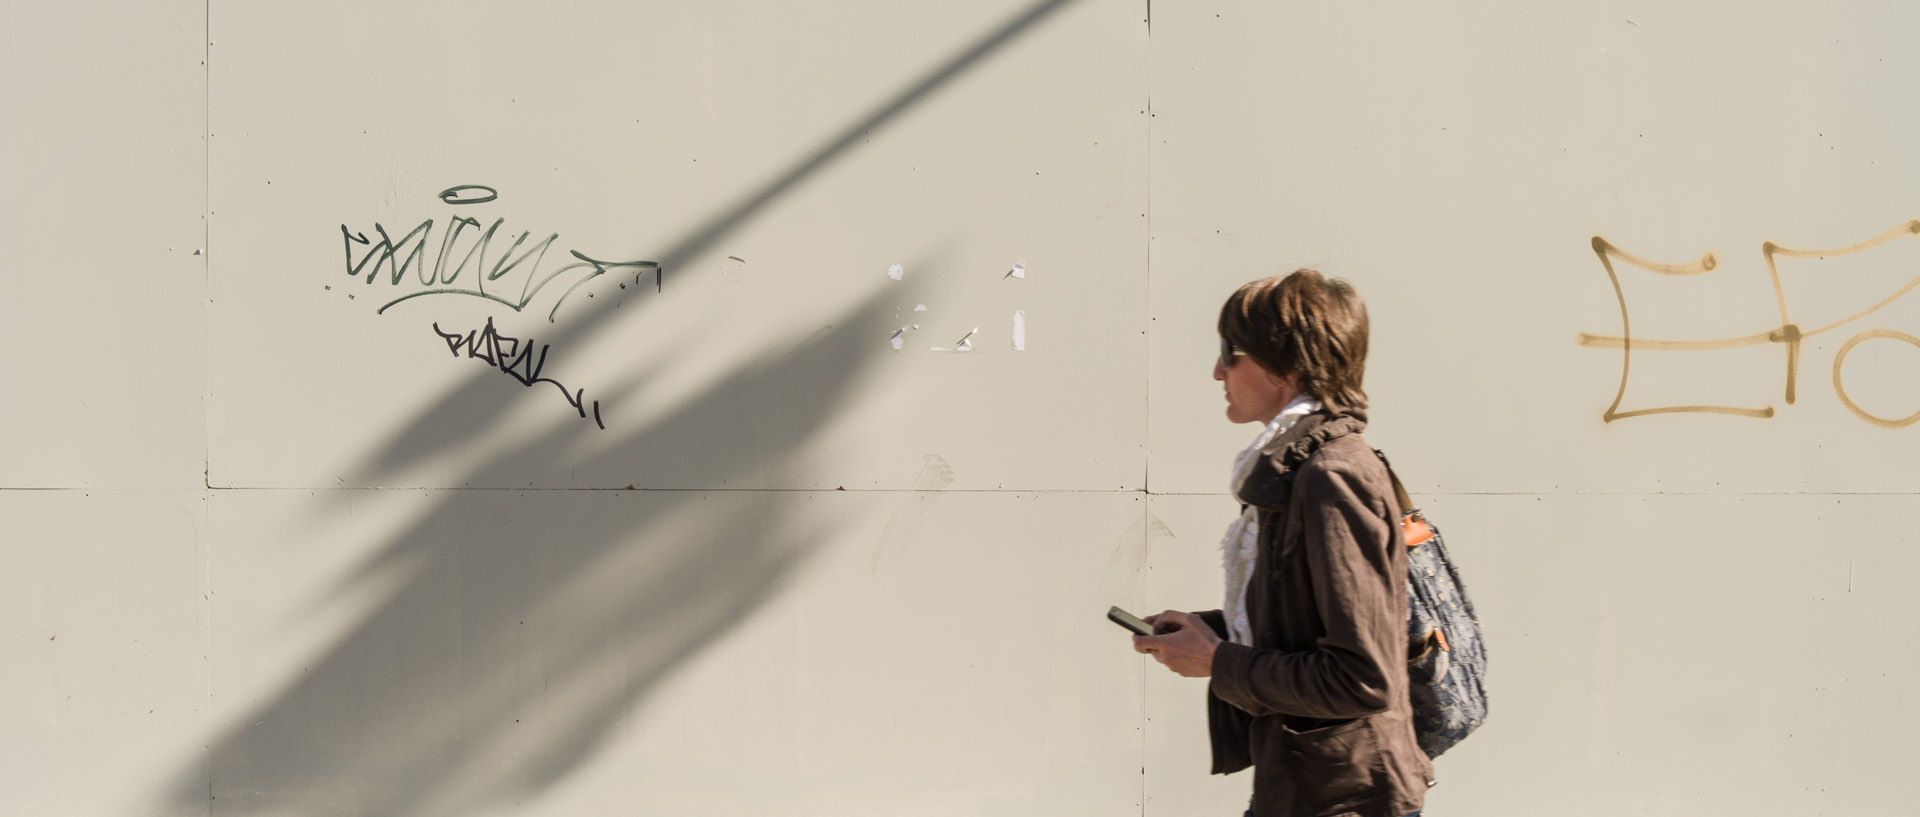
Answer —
1173 621
1180 620
1158 644
1154 645
1173 641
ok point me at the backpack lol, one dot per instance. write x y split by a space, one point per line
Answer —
1446 655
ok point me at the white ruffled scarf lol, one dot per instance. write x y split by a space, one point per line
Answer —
1240 548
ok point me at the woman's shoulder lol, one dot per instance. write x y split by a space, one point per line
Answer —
1345 459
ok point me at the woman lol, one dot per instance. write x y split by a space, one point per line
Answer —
1308 655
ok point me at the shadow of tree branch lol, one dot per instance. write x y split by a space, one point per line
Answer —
523 624
410 712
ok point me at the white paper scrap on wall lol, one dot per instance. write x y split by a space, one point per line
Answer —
1019 269
896 272
1019 330
920 308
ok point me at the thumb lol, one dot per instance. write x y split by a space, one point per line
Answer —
1174 620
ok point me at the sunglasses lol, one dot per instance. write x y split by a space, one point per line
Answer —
1227 353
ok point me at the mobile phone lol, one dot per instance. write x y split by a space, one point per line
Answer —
1129 621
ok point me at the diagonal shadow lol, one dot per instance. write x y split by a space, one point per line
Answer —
453 420
414 710
739 213
442 700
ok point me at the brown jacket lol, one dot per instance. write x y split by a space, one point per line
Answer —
1318 704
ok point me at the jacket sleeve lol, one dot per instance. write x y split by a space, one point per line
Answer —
1216 620
1345 674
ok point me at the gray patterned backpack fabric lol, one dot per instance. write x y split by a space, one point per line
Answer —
1446 656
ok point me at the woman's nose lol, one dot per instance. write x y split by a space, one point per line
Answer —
1219 371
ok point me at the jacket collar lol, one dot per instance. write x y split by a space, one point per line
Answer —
1270 483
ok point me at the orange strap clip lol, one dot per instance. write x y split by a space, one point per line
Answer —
1415 529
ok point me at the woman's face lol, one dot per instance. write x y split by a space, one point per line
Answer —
1254 395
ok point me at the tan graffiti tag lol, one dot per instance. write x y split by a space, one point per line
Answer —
1787 333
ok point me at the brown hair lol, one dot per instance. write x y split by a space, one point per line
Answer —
1304 323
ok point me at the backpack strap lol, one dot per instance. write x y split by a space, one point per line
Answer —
1413 525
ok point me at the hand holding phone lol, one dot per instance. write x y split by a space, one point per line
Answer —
1129 621
1183 642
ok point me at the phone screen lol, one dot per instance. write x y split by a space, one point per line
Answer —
1129 621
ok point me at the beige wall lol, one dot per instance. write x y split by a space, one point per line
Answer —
271 549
